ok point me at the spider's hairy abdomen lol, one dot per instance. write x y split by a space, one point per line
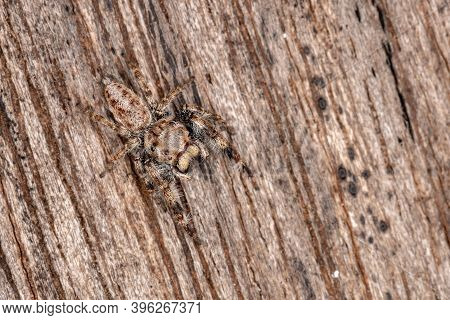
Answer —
127 108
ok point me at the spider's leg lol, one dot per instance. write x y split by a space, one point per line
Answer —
106 122
203 150
216 140
181 175
145 88
110 124
206 114
187 223
140 168
129 146
209 116
181 211
164 186
164 103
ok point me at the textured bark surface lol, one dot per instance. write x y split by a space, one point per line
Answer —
340 108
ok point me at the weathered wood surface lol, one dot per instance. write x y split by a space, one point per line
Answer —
340 108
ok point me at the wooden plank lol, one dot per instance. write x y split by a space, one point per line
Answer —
339 107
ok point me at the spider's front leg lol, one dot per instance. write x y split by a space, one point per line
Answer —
187 223
156 175
139 163
182 217
210 116
212 137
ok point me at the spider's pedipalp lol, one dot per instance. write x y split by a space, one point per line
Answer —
185 158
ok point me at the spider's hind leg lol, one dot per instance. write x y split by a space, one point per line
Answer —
165 102
145 88
110 124
128 147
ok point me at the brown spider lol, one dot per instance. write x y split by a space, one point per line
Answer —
164 143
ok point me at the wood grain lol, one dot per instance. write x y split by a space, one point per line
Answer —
341 109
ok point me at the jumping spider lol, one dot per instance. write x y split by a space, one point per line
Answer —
164 143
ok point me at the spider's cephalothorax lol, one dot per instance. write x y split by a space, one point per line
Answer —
164 144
